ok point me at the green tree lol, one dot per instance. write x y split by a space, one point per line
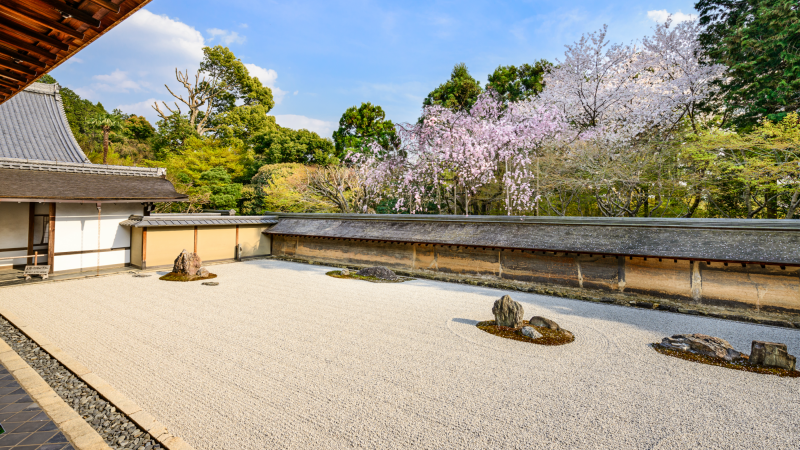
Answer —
759 42
361 126
284 145
173 131
459 93
519 83
106 122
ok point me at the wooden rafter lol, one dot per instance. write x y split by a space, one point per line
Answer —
38 35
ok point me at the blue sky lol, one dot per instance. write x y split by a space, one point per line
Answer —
321 57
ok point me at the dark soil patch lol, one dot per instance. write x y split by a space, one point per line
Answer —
736 364
172 276
353 275
549 337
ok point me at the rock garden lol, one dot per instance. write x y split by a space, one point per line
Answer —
765 357
188 267
509 324
376 274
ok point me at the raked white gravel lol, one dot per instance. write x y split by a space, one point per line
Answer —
281 356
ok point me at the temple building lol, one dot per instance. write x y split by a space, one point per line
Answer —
54 202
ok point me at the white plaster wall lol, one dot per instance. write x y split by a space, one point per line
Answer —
13 231
77 230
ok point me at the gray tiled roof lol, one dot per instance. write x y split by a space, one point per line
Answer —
188 220
33 126
98 169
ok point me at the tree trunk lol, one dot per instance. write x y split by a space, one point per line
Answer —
106 129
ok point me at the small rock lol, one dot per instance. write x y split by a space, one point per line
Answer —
507 312
539 321
702 344
345 272
384 273
771 354
142 275
530 332
202 272
210 283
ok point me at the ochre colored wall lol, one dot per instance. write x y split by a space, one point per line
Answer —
768 288
136 247
216 243
253 241
165 244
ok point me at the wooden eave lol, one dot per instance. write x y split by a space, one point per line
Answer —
37 36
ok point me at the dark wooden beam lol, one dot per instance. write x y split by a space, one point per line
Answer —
51 239
14 76
72 13
21 30
17 56
31 229
17 67
107 5
26 15
7 39
5 91
9 83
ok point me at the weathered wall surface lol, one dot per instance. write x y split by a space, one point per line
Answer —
749 286
165 244
253 241
216 243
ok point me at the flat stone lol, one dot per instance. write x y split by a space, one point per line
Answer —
142 275
210 283
384 273
539 321
507 312
702 344
530 332
771 354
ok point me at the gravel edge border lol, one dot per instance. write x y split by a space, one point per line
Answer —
123 404
79 433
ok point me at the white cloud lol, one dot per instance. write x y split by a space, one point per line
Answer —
267 77
661 16
321 127
225 36
295 92
144 108
159 35
117 81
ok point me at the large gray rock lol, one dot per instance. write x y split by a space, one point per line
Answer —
384 273
507 312
539 321
702 344
771 354
530 332
187 263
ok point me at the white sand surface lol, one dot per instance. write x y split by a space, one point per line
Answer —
281 356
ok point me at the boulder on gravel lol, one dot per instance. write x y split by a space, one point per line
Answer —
771 354
539 321
530 332
345 272
187 263
384 273
702 344
507 312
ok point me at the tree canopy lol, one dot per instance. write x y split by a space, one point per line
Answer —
458 93
362 126
759 42
514 83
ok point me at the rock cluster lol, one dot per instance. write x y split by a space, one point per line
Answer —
702 344
771 354
345 272
189 263
383 273
116 429
507 312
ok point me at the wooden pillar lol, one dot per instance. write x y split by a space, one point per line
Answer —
195 238
144 248
31 229
51 240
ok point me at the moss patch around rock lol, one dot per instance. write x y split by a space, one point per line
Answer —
549 337
353 275
172 276
736 364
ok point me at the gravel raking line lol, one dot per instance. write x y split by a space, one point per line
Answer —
279 355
